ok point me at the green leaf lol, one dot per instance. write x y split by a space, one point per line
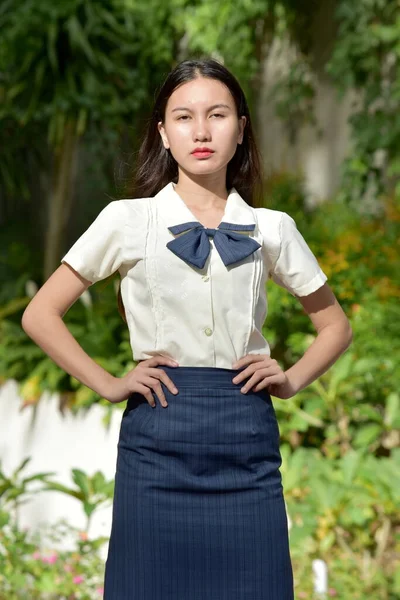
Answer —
350 463
327 542
88 508
82 481
46 583
52 32
78 38
366 435
22 465
357 515
4 518
342 368
367 412
392 412
385 33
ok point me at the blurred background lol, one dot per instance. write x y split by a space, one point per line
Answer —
77 83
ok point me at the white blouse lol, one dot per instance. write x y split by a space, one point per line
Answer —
208 316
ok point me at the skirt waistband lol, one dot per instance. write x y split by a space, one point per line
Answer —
202 376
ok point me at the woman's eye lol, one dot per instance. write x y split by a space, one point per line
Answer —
187 116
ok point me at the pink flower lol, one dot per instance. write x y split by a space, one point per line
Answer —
332 592
36 555
302 594
100 590
67 568
78 579
50 559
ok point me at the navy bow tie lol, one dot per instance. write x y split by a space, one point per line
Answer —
194 246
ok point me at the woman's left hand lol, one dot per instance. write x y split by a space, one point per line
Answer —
266 373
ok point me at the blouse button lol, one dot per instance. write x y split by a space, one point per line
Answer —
208 331
205 278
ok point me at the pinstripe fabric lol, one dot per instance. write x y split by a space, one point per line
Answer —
198 510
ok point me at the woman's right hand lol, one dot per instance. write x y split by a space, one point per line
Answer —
143 379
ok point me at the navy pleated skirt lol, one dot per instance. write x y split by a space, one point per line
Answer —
198 511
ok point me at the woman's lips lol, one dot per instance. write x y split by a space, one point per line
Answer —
205 154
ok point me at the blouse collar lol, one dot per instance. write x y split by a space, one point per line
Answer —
175 211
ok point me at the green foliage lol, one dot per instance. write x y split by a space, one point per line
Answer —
366 60
244 26
98 328
93 492
88 49
293 96
354 404
31 563
345 511
91 65
294 92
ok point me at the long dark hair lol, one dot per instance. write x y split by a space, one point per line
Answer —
155 166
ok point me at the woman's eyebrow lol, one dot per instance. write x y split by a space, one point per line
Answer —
211 107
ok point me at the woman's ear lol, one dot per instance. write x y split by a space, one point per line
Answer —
242 125
164 138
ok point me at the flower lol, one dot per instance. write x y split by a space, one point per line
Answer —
78 579
50 559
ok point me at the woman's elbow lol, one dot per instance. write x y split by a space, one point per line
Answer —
30 320
347 334
27 320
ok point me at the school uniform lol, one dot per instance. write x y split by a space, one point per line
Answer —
198 508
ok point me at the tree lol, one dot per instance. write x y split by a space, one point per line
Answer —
70 65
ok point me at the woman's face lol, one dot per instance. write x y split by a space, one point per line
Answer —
202 113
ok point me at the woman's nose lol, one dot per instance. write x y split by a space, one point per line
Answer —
201 131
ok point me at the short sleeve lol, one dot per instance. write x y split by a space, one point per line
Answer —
99 251
296 267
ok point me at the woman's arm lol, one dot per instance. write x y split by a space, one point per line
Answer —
334 336
43 322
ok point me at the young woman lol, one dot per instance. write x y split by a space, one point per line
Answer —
198 507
